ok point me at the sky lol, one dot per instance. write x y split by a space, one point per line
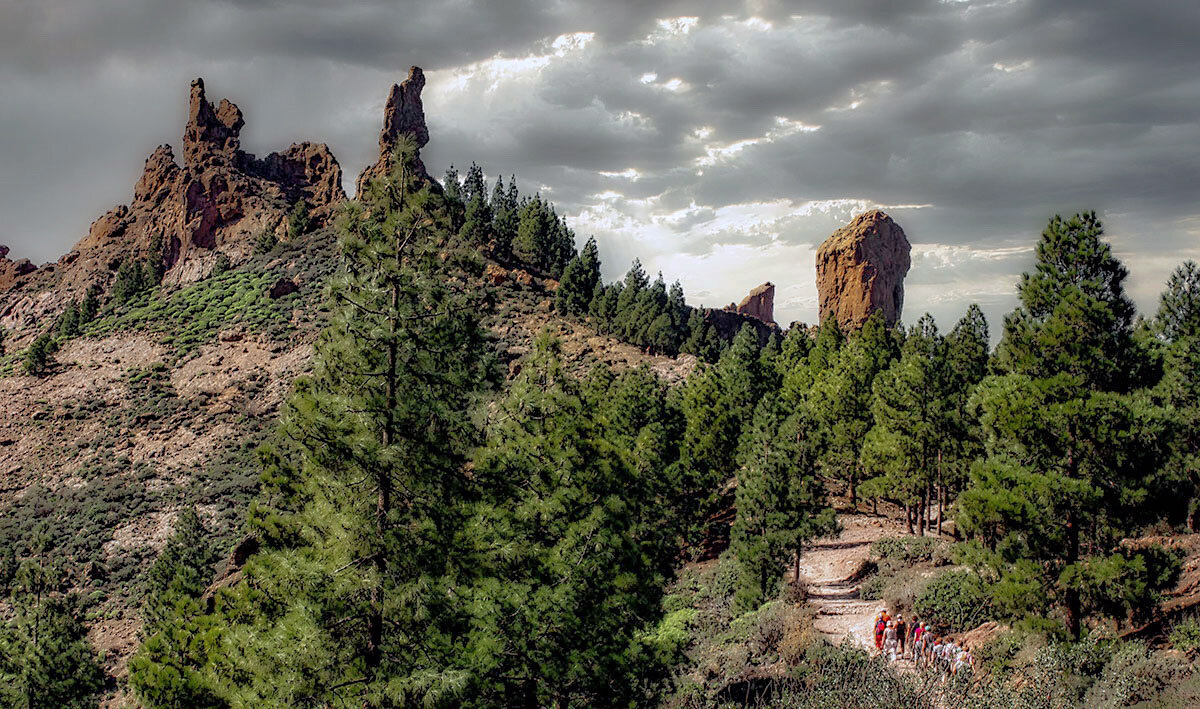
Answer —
717 141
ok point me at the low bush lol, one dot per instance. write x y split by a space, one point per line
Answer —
907 551
954 601
1135 674
1185 635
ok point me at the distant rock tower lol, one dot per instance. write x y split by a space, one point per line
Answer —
403 114
759 304
861 269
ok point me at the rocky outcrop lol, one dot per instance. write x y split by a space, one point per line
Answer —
403 114
861 269
217 201
10 271
728 323
759 304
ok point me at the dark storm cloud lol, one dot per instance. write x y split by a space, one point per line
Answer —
972 120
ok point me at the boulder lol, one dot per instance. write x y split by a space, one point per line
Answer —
495 275
861 269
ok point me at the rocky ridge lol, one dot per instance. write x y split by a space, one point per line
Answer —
216 202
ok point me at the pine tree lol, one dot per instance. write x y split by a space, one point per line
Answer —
299 221
573 559
89 308
477 223
360 495
780 503
40 355
452 187
839 400
129 283
1178 324
533 241
183 569
820 355
474 186
165 672
967 355
506 220
702 340
912 424
707 454
69 321
579 281
1069 454
45 657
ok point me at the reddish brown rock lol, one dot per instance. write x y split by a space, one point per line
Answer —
728 323
218 201
760 303
522 276
861 269
496 275
10 271
282 287
402 114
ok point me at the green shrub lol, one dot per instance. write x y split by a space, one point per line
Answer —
1134 674
907 550
954 601
265 241
1185 635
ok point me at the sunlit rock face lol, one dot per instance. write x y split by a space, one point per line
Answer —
861 269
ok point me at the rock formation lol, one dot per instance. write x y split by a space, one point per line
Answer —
217 201
10 271
861 269
759 304
728 323
402 114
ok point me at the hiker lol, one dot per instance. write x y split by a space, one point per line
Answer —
901 634
918 648
889 640
918 633
965 661
880 626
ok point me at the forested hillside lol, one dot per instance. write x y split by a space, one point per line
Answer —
414 451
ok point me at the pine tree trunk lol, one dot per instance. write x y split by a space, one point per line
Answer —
908 516
941 495
853 493
383 500
796 567
923 521
1071 595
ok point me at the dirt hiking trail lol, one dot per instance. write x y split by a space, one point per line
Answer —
829 567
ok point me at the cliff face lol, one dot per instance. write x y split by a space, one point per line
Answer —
861 269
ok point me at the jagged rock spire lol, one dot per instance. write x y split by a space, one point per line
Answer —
402 114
